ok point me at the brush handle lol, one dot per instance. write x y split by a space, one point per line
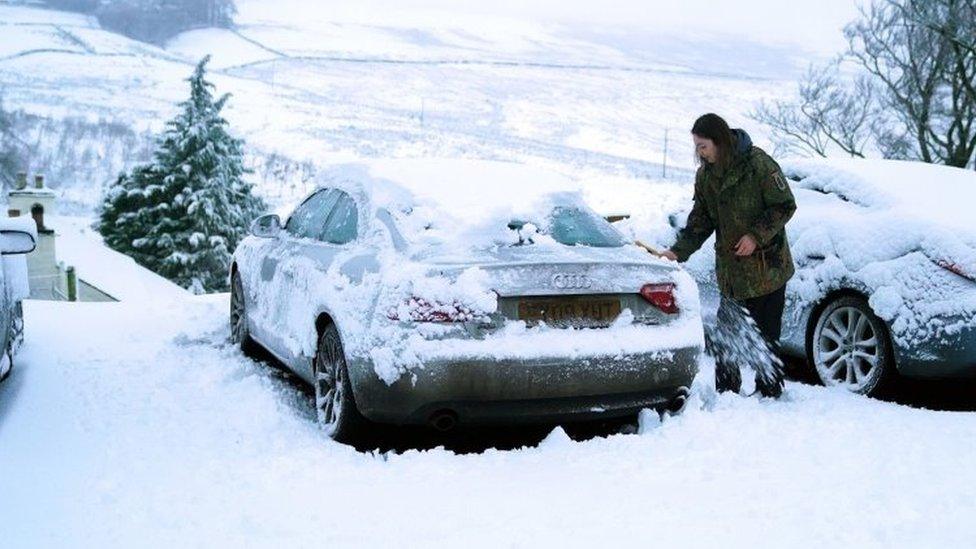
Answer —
650 249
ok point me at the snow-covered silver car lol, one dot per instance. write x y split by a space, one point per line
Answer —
18 236
445 291
886 271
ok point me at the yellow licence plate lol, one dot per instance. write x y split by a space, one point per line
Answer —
568 311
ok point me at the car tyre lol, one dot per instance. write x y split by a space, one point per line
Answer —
239 333
335 405
5 370
850 348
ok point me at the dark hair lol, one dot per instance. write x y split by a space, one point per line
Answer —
712 126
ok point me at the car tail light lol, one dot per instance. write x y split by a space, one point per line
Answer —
955 269
661 296
418 309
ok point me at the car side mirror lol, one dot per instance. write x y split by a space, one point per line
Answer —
266 226
16 242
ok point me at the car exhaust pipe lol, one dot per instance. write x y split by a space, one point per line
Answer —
443 420
679 400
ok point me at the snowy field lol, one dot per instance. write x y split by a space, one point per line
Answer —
136 424
320 87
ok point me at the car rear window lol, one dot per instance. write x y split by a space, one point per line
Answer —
575 226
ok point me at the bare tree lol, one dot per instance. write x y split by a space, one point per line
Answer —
9 147
916 98
921 53
827 113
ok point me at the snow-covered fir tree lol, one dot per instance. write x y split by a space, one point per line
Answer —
182 215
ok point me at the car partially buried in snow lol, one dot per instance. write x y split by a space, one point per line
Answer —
886 271
18 236
453 291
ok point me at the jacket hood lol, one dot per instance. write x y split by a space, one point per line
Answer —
741 142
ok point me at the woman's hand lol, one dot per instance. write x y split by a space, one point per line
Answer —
668 254
746 245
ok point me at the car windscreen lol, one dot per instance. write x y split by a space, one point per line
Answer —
575 226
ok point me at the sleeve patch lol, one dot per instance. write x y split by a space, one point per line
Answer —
779 180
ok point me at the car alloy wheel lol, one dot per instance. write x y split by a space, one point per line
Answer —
850 347
329 384
238 314
334 403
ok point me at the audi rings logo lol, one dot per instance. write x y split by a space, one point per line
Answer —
571 281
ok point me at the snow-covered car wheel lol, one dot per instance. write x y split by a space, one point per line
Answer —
850 347
334 403
7 366
239 334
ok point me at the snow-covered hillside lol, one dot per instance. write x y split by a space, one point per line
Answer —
135 425
318 90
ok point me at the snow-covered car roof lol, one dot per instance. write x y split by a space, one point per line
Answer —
915 189
446 200
469 187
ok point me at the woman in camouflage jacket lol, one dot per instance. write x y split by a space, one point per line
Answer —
742 196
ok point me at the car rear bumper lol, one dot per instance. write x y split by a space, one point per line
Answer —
949 356
513 390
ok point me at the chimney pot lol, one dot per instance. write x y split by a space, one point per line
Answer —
21 180
39 181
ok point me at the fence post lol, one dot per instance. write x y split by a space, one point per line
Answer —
72 284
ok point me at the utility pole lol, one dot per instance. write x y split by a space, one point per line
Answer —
664 160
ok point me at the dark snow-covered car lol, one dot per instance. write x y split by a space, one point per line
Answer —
886 271
444 291
18 236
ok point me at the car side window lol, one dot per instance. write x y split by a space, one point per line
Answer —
343 224
308 220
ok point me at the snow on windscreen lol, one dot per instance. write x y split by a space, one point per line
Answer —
476 203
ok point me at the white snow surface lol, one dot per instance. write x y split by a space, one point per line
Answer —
129 424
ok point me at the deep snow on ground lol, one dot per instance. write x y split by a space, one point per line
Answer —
137 425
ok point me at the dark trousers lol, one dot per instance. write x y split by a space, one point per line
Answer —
767 311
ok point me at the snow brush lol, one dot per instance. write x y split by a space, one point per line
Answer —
648 248
734 341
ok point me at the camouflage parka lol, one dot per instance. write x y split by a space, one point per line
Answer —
751 196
